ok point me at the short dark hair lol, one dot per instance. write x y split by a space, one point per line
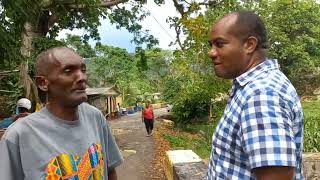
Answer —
250 24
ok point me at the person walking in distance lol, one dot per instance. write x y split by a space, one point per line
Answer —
260 134
148 118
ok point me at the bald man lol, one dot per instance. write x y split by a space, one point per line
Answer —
68 138
260 134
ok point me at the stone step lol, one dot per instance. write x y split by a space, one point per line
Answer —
184 165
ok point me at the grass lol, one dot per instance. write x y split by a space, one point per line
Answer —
202 144
311 126
198 145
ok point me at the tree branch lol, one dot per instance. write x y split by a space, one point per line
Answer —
9 72
177 29
104 3
179 7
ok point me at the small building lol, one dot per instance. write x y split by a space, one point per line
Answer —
105 99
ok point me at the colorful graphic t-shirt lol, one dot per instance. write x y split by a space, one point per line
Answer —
43 146
73 167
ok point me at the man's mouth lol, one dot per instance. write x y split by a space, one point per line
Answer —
80 90
216 63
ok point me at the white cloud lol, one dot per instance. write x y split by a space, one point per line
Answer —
63 34
157 24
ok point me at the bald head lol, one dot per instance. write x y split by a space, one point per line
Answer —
246 24
61 76
49 58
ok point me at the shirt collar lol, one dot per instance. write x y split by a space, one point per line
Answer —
251 74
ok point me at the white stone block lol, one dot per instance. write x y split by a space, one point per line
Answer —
183 156
177 158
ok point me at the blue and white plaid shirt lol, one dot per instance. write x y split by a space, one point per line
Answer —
262 125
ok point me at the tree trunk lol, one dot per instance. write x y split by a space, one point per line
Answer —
30 32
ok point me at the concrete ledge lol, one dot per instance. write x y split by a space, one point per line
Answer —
311 166
190 171
184 165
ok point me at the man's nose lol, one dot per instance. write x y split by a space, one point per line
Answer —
81 76
213 52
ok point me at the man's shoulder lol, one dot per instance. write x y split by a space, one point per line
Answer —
89 110
271 84
273 80
18 128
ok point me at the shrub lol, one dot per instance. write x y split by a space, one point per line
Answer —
192 102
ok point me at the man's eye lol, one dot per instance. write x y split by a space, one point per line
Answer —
219 44
84 70
67 70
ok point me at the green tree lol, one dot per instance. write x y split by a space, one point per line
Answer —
155 67
115 66
294 39
23 20
82 47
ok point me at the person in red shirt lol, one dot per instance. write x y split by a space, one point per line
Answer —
148 118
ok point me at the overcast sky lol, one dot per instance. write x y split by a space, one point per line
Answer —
156 23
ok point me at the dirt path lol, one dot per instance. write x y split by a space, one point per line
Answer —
137 149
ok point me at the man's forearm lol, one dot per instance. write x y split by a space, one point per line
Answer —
112 175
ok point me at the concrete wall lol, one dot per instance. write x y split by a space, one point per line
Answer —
311 166
186 165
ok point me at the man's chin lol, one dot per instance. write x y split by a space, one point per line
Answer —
77 101
223 75
220 75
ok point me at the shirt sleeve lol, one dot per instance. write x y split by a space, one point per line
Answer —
114 157
267 130
10 164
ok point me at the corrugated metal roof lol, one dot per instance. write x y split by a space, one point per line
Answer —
102 91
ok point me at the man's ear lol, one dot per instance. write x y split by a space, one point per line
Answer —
251 44
42 83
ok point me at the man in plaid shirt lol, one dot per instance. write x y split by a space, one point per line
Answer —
261 132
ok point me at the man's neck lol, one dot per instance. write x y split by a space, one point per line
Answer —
63 112
256 58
